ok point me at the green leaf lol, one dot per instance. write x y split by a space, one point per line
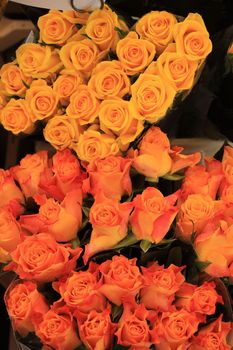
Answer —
75 243
86 211
116 312
129 240
145 245
25 84
173 177
202 265
121 32
152 179
81 347
86 36
167 241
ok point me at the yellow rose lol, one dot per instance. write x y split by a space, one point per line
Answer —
157 26
38 61
152 96
76 17
42 100
192 38
120 118
134 54
62 132
13 79
109 80
177 69
16 117
92 145
55 28
66 84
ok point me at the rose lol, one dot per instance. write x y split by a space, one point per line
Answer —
227 164
109 220
10 234
76 17
152 96
11 196
212 336
66 84
80 291
121 118
160 285
226 192
181 161
96 332
13 79
29 172
134 54
57 329
109 80
133 329
3 100
62 221
42 100
40 258
153 159
153 214
55 28
176 69
121 279
92 145
38 61
192 38
230 49
84 106
157 26
16 117
62 132
23 301
104 172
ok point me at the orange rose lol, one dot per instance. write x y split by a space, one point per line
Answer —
40 258
181 161
192 38
104 172
160 285
10 234
134 54
62 132
92 145
3 100
96 332
23 302
120 118
11 196
226 192
153 214
109 220
16 117
66 84
38 61
157 26
80 291
42 100
230 50
84 105
121 279
56 328
152 96
55 28
29 171
13 79
76 17
109 80
227 163
153 159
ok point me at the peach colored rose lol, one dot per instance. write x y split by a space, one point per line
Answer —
13 79
192 38
11 196
160 285
56 328
62 132
227 164
104 172
29 172
23 301
40 258
10 233
66 84
84 105
55 28
121 279
38 61
153 214
16 116
109 80
157 27
92 145
62 221
134 54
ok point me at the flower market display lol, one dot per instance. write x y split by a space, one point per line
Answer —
117 239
